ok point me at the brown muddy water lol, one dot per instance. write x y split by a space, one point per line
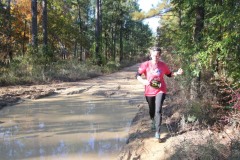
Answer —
92 124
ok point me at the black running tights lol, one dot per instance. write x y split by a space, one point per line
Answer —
155 108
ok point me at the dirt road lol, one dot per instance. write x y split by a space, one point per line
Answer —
113 84
121 85
141 144
82 120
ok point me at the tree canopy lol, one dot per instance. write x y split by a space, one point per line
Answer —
205 34
71 28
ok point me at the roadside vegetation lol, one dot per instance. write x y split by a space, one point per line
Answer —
48 41
203 38
29 70
210 124
55 41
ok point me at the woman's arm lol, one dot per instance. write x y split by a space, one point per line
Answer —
143 81
179 72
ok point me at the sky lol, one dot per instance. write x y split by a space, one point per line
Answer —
145 5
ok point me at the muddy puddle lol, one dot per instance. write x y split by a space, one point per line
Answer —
90 126
67 127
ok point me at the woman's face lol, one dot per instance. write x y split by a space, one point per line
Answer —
155 55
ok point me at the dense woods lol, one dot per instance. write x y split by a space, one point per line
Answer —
38 36
48 40
202 36
205 35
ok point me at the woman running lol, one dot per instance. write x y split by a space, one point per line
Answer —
155 87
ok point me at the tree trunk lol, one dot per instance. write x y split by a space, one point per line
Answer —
24 36
196 82
34 23
79 29
112 42
180 14
105 45
9 32
121 42
97 32
44 23
199 23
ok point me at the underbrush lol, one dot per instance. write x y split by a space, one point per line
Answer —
206 148
221 126
203 132
209 123
29 71
20 73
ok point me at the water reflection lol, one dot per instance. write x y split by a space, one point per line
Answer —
67 127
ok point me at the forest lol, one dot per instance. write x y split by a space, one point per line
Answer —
204 36
50 40
46 41
207 40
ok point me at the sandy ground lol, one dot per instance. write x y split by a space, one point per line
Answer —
141 144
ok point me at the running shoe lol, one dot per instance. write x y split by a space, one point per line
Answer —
153 127
157 135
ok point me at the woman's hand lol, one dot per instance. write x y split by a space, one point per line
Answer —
180 71
145 82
